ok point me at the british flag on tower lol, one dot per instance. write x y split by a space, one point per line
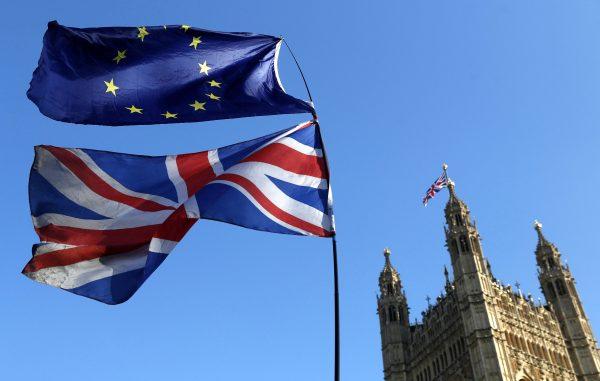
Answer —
437 186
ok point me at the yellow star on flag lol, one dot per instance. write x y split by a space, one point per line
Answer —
168 115
195 42
198 105
185 27
134 110
213 97
142 32
120 55
204 68
111 87
214 83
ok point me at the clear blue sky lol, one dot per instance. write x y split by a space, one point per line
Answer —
506 92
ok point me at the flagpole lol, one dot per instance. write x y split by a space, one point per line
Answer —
336 297
300 70
336 288
336 294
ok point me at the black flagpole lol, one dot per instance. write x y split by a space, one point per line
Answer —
336 294
336 297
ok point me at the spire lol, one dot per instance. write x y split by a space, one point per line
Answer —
386 254
389 280
547 254
537 225
448 285
543 244
453 198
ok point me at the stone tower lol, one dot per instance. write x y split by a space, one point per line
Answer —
392 309
558 286
481 329
473 285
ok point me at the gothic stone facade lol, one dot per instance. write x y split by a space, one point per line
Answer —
480 329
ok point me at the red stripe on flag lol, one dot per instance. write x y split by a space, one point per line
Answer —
291 160
176 226
195 170
73 255
274 209
78 236
99 186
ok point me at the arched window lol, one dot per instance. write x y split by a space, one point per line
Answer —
464 244
390 289
550 262
454 247
551 291
560 287
393 314
458 219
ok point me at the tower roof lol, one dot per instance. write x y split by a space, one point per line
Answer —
542 241
544 249
537 225
454 202
389 273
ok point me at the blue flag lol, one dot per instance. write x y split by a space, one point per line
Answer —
163 74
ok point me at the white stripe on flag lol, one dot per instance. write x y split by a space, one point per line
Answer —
125 222
256 171
91 164
71 186
215 163
175 177
191 207
300 147
80 273
49 247
260 207
162 246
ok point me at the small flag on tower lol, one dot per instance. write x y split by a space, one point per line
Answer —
160 74
437 186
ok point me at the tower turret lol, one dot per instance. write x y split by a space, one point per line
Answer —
462 238
392 309
558 286
473 284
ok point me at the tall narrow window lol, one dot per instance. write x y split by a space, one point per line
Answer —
458 220
560 287
390 289
382 316
464 244
454 247
393 315
551 291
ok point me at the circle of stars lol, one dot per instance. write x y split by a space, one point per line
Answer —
203 67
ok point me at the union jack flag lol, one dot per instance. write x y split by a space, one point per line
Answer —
437 186
107 220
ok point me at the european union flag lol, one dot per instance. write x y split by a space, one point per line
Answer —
163 74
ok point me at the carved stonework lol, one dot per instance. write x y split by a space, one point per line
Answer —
481 329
